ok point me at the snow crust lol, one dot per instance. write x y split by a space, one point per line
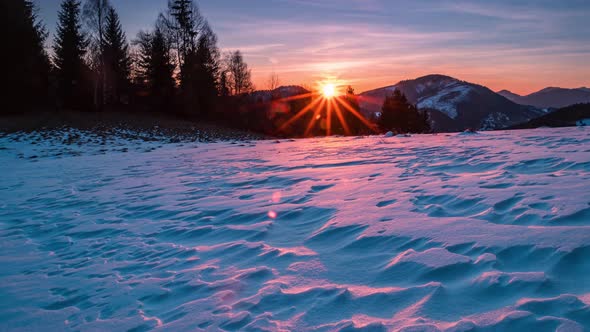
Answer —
449 232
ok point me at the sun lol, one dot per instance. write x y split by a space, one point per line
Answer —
329 90
327 103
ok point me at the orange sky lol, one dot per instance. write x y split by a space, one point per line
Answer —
502 44
519 70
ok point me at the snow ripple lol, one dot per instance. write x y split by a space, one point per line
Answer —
431 233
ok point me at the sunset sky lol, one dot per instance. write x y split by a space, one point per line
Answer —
522 46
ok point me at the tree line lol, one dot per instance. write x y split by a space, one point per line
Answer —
176 67
400 116
177 64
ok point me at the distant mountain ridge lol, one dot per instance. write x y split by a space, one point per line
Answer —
564 117
551 97
454 105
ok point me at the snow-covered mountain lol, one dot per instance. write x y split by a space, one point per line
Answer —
453 104
551 97
574 115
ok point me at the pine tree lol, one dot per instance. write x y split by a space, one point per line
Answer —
117 59
184 22
206 71
355 125
197 56
25 63
70 48
399 115
156 67
424 122
393 112
143 45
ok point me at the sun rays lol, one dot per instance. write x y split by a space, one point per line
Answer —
327 99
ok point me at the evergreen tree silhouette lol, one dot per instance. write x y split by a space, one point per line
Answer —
117 59
69 49
26 66
401 116
206 71
184 21
198 57
355 125
156 68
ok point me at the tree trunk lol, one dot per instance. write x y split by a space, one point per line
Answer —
102 59
96 104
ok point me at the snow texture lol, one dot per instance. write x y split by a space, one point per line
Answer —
494 120
446 99
452 232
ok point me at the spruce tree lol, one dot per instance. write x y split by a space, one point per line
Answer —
184 21
117 59
25 63
156 68
69 49
393 112
355 125
206 71
189 32
399 115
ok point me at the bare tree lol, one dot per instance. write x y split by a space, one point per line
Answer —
95 13
273 81
239 76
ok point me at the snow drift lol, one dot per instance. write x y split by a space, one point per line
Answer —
421 233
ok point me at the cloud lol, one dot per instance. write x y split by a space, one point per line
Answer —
486 38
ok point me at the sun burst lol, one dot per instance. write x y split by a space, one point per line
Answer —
327 99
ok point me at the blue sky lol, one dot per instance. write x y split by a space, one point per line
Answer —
518 45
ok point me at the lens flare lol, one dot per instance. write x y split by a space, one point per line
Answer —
329 90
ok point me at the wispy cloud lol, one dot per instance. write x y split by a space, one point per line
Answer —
521 46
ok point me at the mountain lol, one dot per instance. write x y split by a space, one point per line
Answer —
551 97
564 117
280 92
453 105
509 95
